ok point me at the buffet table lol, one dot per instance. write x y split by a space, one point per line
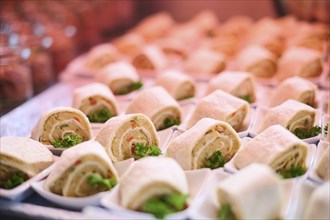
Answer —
239 123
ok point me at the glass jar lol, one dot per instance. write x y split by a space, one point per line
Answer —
40 62
15 79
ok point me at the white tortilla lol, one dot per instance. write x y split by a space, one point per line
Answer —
71 156
150 177
81 94
221 106
111 132
236 83
25 154
252 193
176 83
183 147
271 147
295 88
291 114
83 123
156 103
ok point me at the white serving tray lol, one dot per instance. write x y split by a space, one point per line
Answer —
22 191
312 175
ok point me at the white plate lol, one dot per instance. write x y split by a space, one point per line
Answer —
263 93
207 206
321 147
79 203
231 168
67 202
95 212
201 89
324 79
197 180
22 191
325 102
325 122
259 116
301 194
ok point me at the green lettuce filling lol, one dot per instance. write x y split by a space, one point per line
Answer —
100 116
15 180
225 213
165 205
140 150
98 181
169 122
216 160
186 97
307 133
68 141
134 86
247 98
293 172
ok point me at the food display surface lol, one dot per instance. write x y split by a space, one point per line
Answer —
202 129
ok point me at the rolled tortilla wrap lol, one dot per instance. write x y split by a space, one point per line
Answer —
276 147
223 44
173 46
101 55
236 26
239 84
158 105
120 77
192 148
177 84
151 177
206 21
71 175
56 124
298 61
257 60
23 157
268 34
221 106
120 135
94 98
295 88
205 61
129 44
253 193
151 57
154 26
291 115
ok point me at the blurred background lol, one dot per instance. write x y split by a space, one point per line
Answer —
39 38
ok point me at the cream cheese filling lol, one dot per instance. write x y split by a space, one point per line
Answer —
304 122
225 147
295 157
83 171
